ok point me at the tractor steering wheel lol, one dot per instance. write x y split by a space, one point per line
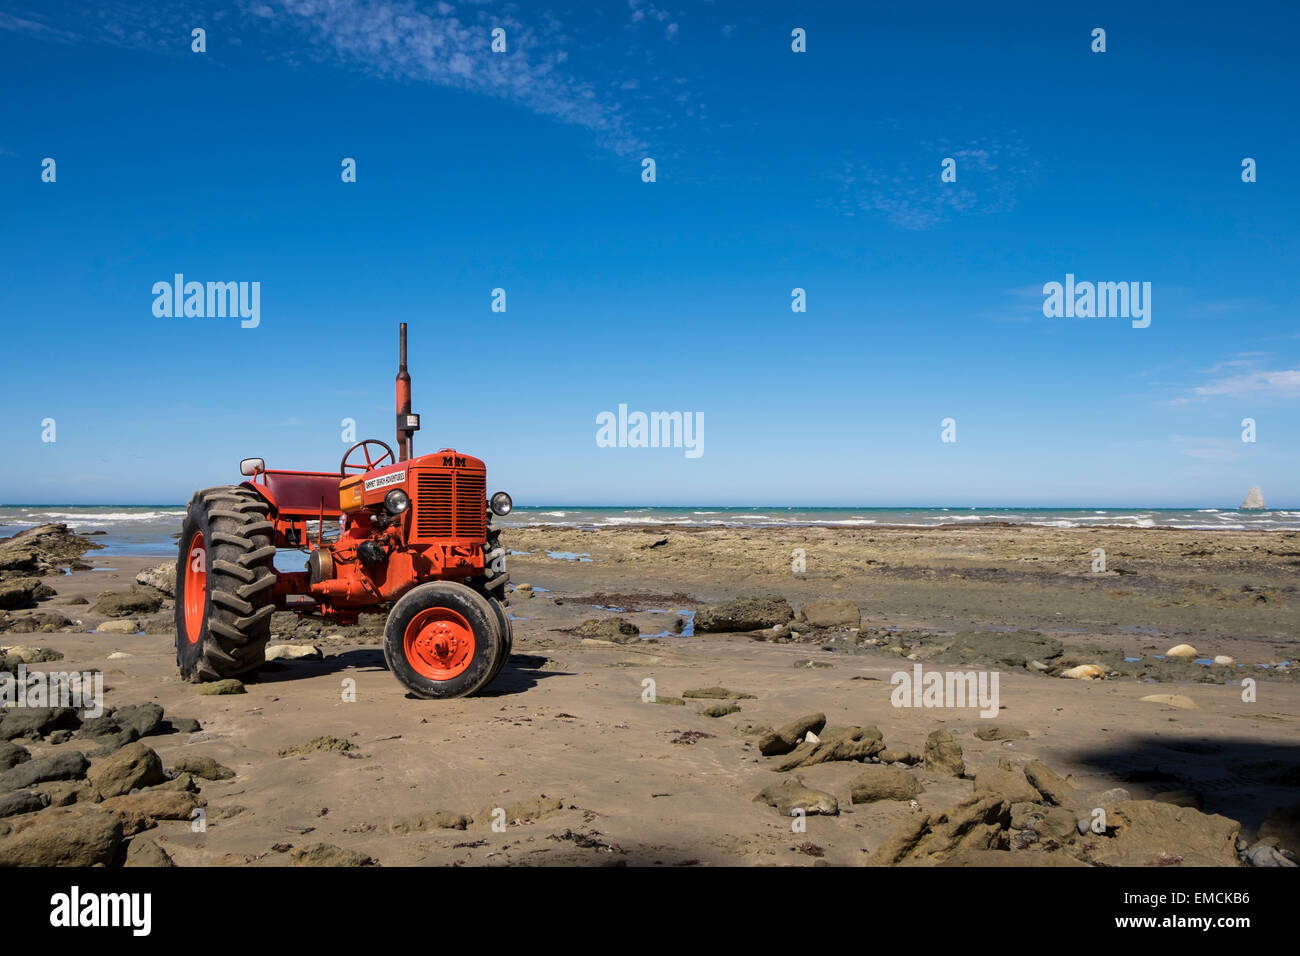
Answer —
371 464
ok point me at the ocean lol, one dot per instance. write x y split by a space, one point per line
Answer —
149 530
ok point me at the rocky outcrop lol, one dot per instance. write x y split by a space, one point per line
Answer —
784 739
743 614
160 578
832 612
1254 500
616 629
789 796
943 754
877 782
42 550
127 603
87 840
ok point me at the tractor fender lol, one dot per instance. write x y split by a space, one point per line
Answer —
263 492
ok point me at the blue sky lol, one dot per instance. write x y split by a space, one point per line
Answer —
775 170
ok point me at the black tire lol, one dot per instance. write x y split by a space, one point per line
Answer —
239 553
493 587
507 631
477 613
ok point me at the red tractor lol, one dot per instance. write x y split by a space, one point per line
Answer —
414 538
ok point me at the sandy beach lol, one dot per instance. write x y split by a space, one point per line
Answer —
565 752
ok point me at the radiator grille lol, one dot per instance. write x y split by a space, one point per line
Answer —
471 506
448 505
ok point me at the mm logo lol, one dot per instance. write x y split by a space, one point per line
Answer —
453 461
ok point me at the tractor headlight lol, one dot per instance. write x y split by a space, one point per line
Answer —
396 501
500 503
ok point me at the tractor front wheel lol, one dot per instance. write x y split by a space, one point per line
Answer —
442 640
224 584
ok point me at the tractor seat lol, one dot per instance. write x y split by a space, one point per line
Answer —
302 492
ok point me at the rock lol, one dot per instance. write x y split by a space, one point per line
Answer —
22 592
943 754
142 852
181 725
834 744
1150 833
786 738
127 603
327 854
183 782
976 823
157 804
1282 827
670 701
432 820
205 767
1011 785
11 755
293 652
1170 700
616 629
42 549
1052 785
162 578
119 626
832 612
717 693
134 765
88 840
1264 854
26 654
1001 732
1105 799
1223 660
721 710
145 719
998 648
1084 672
743 614
890 755
216 688
64 766
111 743
22 801
1049 823
64 793
791 795
1254 500
36 722
1182 650
883 783
317 744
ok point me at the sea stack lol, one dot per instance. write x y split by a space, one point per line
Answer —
1254 500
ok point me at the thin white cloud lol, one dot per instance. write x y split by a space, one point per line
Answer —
913 197
1282 383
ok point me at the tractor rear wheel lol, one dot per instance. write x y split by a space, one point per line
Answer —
442 640
225 584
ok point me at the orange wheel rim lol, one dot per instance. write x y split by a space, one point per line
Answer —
439 643
196 586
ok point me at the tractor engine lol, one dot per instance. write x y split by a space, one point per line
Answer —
412 521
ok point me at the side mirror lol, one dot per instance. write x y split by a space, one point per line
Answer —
252 466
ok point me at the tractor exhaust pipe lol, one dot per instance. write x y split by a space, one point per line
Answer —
407 422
